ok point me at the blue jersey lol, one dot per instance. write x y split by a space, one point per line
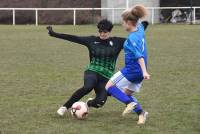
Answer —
135 48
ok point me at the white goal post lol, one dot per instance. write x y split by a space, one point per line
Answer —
152 10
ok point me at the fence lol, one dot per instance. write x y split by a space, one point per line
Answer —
153 12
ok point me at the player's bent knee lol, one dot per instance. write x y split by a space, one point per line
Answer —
128 92
109 84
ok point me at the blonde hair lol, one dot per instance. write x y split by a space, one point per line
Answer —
134 14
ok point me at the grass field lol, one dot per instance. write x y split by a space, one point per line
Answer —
38 73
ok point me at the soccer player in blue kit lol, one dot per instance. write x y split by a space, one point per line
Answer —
124 83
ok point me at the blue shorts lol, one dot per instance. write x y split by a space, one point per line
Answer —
135 76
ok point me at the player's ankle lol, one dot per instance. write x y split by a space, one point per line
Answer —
139 112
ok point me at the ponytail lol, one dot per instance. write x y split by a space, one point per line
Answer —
135 13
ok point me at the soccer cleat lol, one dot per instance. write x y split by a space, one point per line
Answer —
142 118
61 111
89 99
129 108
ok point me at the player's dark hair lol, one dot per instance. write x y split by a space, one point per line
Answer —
105 25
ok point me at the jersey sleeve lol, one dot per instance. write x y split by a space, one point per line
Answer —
121 41
145 24
137 52
73 38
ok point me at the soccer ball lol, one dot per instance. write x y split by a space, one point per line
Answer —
79 110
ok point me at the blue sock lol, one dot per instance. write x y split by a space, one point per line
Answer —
119 95
138 107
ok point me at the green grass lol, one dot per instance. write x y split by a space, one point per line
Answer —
38 73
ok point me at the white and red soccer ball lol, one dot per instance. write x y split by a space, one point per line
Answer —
79 110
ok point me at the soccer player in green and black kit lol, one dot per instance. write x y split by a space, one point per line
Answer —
103 53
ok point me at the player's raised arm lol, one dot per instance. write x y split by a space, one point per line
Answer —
73 38
145 24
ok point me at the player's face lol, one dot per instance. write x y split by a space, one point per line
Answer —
104 35
128 25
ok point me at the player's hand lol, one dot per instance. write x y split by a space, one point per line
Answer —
50 29
146 76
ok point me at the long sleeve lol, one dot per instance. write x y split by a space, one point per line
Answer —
145 24
73 38
120 41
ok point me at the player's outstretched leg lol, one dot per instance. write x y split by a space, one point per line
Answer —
74 98
89 84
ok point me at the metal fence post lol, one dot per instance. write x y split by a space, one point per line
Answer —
127 4
13 16
36 17
113 16
74 23
194 17
152 16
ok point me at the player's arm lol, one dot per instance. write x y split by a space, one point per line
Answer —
73 38
120 41
145 24
143 67
140 58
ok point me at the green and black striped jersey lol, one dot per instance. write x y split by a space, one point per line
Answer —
103 53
